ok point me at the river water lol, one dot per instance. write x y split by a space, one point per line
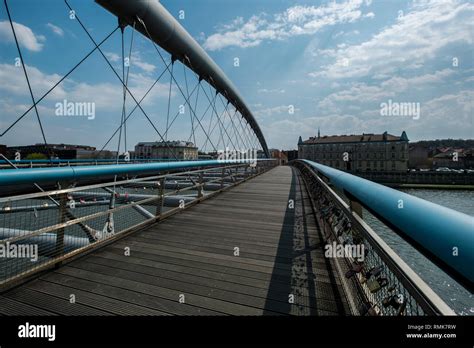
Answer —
458 298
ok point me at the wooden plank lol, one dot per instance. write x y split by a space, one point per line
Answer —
80 280
50 303
90 299
213 281
194 304
13 307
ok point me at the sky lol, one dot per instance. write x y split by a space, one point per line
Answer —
303 65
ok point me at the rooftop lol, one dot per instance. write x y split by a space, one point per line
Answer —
169 143
365 137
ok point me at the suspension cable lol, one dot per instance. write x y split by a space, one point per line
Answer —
195 105
179 88
28 82
133 110
117 75
169 98
219 118
60 80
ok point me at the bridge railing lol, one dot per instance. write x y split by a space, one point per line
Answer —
31 163
40 230
376 280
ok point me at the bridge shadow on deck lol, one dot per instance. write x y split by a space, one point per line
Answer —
295 235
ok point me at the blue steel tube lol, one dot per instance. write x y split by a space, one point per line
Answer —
444 235
10 177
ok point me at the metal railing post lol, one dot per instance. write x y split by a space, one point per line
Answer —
356 207
200 185
59 248
222 177
161 200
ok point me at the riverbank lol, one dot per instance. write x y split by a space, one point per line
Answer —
430 186
427 180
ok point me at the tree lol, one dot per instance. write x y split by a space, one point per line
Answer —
36 156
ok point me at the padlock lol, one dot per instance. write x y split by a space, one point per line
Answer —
403 306
375 284
356 268
374 271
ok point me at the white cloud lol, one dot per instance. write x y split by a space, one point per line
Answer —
136 60
105 94
271 90
415 38
113 57
362 92
275 110
296 20
24 34
13 81
446 116
55 29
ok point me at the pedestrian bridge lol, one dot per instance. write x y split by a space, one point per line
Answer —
221 236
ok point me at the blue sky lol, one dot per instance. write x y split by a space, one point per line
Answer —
332 62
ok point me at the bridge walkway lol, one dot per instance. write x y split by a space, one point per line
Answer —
247 251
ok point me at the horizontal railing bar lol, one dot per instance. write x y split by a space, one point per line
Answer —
118 183
91 160
76 221
55 174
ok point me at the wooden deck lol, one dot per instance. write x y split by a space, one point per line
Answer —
190 257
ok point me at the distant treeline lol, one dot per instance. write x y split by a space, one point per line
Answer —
456 143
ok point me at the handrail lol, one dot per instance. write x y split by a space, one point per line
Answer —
55 174
443 235
88 160
166 31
